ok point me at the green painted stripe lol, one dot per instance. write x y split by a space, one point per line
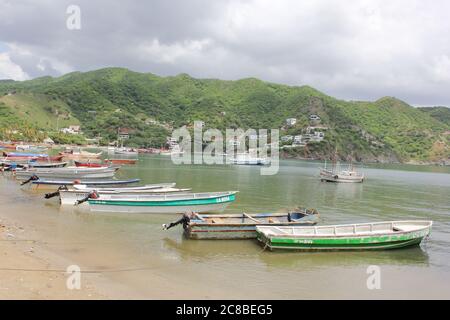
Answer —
188 202
378 246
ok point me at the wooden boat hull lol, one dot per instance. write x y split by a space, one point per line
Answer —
70 197
122 161
339 178
71 175
370 241
162 204
51 183
224 227
90 164
36 164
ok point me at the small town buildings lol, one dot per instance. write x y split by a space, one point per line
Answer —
291 122
287 138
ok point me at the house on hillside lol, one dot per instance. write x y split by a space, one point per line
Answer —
124 133
314 117
291 122
72 129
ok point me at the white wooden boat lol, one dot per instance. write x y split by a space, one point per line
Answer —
67 173
72 196
163 203
358 236
335 174
52 183
126 151
345 176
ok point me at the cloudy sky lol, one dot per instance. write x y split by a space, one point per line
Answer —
360 49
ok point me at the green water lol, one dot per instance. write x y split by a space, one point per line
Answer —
240 269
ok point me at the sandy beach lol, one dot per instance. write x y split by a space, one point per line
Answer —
29 272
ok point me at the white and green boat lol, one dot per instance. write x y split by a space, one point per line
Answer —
163 203
362 236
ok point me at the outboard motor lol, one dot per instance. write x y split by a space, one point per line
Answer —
92 195
32 178
56 193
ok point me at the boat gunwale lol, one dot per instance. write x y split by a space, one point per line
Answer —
348 235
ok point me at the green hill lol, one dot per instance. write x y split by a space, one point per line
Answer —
439 113
106 99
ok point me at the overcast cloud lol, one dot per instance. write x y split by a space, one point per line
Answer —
362 49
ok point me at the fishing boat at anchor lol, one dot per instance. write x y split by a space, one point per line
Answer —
163 203
67 173
51 183
77 194
81 154
360 236
335 174
90 164
241 225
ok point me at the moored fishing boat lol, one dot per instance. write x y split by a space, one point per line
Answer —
121 161
242 225
126 151
360 236
40 164
90 164
67 173
76 155
247 159
335 174
51 183
76 195
166 203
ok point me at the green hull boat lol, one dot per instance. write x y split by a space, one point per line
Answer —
364 236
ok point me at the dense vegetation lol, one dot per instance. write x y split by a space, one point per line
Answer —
105 100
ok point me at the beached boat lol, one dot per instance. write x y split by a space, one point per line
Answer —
25 157
242 225
51 183
76 155
72 196
166 203
67 173
90 164
39 164
361 236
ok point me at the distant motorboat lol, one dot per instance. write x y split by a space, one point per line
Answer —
126 151
247 159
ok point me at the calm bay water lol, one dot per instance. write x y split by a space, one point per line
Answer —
169 266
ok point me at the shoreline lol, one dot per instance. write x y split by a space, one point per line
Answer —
29 271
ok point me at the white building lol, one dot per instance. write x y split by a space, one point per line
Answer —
314 117
291 121
287 138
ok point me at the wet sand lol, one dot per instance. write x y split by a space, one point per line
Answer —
29 272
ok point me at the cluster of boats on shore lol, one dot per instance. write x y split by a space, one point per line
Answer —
91 183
